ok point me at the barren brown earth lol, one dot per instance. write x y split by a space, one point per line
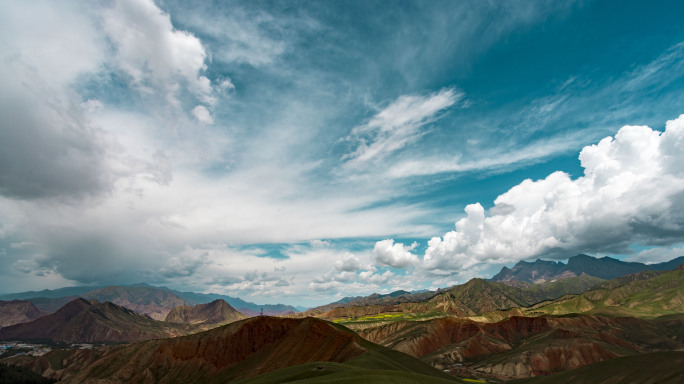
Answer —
527 346
218 311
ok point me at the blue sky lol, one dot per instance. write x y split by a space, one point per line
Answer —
299 152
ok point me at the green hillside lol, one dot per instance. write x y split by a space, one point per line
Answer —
662 294
476 297
377 365
334 373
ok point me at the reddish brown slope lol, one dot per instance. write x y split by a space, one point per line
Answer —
525 346
18 311
423 338
242 349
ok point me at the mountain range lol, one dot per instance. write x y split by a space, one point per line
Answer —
155 302
472 298
560 323
87 321
606 268
84 321
526 284
257 350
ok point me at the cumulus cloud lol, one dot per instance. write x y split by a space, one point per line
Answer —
155 54
319 243
350 274
179 266
397 125
632 191
342 277
395 255
349 263
226 84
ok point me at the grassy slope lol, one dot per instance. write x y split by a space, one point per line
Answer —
334 373
378 365
649 368
659 295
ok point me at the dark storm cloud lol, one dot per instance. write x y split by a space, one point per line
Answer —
49 151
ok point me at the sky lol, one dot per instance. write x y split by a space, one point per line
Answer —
299 152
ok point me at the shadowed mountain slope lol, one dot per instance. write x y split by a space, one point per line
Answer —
530 272
18 311
216 312
91 321
17 375
247 349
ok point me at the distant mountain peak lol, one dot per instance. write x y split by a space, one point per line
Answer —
218 311
531 272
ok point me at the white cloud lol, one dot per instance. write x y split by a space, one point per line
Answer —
349 263
54 144
242 37
55 42
202 114
657 255
395 255
226 84
397 125
632 191
371 277
496 158
153 53
22 245
319 243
